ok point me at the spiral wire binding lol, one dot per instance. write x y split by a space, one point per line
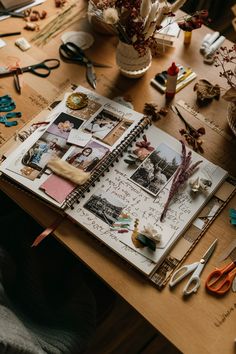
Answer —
111 158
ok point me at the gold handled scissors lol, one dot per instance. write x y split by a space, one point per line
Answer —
221 279
197 268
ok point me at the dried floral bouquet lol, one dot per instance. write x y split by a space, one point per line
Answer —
137 21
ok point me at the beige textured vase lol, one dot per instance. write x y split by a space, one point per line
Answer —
129 61
231 116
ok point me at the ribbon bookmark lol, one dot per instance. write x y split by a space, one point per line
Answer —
50 229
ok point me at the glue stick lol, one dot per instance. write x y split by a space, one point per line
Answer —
187 37
172 74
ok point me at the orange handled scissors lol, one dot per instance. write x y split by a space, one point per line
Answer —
220 280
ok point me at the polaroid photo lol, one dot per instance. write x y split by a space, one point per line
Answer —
88 157
63 124
105 206
157 169
102 124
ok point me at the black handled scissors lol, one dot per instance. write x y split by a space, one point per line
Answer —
72 53
42 69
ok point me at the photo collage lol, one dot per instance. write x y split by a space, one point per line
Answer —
65 138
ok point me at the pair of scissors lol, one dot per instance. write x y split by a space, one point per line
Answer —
197 267
42 69
221 279
72 53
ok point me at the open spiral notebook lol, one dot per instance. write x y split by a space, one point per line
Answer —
118 198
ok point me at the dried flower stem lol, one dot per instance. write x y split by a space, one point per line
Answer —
182 174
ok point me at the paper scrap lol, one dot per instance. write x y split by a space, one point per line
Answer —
57 188
77 137
2 43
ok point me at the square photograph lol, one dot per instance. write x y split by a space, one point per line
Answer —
101 125
88 157
105 207
156 170
63 124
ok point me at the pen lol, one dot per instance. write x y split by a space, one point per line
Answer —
9 34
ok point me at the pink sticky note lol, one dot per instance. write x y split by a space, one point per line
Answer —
57 187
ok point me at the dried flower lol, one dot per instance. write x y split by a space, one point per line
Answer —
110 16
191 135
226 59
182 174
135 21
192 22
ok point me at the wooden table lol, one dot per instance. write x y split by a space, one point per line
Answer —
202 323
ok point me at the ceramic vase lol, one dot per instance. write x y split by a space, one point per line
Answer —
130 62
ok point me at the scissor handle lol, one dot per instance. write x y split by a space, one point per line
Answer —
219 281
72 52
194 281
44 68
181 273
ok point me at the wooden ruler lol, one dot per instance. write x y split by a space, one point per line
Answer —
211 124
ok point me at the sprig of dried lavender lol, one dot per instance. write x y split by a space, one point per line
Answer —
182 174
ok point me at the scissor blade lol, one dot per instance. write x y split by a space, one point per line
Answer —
209 252
91 76
4 70
101 65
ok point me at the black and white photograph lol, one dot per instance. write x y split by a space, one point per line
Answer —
156 170
105 207
101 125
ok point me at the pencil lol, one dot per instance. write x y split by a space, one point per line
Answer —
9 34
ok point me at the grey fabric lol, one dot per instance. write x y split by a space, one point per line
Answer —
45 305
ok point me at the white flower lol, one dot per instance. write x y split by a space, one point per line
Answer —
110 16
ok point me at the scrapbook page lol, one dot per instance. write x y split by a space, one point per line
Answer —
127 203
82 130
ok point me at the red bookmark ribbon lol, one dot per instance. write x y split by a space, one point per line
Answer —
50 229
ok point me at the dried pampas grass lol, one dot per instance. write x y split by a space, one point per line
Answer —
67 171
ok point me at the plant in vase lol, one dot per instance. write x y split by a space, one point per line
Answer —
136 22
225 58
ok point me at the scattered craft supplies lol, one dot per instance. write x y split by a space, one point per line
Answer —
65 19
185 76
7 105
23 44
232 214
191 135
19 10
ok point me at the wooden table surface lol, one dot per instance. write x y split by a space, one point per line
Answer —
202 323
